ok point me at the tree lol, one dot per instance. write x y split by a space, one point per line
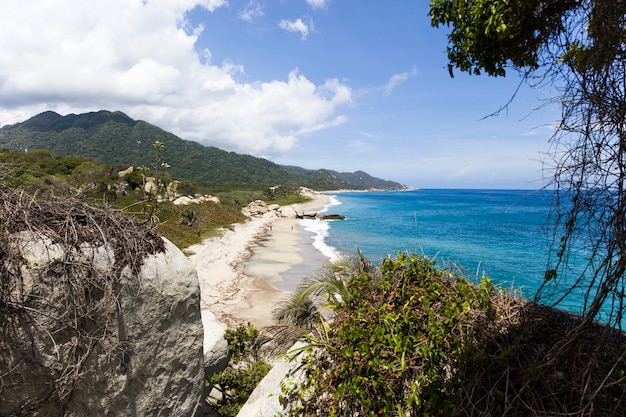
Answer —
302 313
579 47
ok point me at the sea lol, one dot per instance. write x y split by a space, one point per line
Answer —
501 234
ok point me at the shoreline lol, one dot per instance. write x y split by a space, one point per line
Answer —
237 272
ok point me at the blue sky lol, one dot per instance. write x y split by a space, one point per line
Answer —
337 84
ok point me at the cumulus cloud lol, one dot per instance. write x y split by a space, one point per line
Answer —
300 26
140 57
398 79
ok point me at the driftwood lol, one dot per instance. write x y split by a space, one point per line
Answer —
321 216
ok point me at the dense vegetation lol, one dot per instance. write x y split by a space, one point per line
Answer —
411 339
232 387
41 174
114 138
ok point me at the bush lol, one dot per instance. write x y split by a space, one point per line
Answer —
243 373
395 347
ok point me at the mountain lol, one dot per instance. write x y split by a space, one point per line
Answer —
114 138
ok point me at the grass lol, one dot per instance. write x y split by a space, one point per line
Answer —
187 225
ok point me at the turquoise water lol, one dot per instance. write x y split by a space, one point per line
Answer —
502 234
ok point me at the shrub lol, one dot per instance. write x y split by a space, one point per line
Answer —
243 373
395 347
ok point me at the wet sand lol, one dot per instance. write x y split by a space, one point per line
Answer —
245 273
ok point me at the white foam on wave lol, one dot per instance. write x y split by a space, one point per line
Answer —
319 230
332 201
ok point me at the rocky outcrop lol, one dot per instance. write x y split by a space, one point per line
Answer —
197 199
216 354
151 366
267 399
259 208
125 172
98 318
323 216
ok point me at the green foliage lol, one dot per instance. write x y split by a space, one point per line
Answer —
280 191
290 199
487 35
236 385
243 374
187 188
397 344
240 197
208 218
301 315
40 173
240 341
114 138
579 49
135 179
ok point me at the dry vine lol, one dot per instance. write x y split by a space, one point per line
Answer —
52 318
520 367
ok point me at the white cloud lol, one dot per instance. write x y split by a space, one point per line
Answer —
298 25
398 79
318 4
252 11
139 57
213 5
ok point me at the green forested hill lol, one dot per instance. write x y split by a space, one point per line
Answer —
115 138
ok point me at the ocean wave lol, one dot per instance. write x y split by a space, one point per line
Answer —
319 230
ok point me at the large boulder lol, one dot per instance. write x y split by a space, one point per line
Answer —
98 318
216 354
267 399
289 212
256 208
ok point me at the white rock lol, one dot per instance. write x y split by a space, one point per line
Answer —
288 211
151 364
270 215
125 172
182 201
215 345
265 399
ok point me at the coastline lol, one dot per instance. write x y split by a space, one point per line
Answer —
240 272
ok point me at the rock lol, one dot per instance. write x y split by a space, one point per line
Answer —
204 198
298 211
197 199
256 208
330 217
273 207
183 201
150 185
148 363
270 215
265 400
288 212
307 191
215 345
125 172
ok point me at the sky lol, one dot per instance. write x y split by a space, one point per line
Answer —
338 84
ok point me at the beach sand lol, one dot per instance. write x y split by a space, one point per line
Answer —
239 271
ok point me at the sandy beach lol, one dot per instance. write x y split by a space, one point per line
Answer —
237 271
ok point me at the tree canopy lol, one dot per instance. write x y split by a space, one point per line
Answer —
577 46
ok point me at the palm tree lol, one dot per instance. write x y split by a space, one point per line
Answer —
304 313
